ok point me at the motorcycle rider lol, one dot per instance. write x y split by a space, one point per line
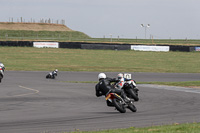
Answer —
2 68
121 82
52 74
55 72
104 87
124 82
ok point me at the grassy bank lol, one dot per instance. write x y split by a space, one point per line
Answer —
175 128
35 59
31 35
21 35
12 31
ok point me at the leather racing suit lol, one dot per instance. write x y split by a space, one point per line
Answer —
104 87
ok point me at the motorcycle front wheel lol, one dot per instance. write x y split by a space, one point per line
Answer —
132 94
132 107
1 76
118 105
48 76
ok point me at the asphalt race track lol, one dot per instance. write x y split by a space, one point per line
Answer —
30 103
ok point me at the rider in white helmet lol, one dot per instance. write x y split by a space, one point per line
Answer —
104 86
127 82
54 73
120 84
120 75
2 66
101 76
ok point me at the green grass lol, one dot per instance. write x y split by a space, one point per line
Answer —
175 128
88 82
190 42
20 35
183 84
45 59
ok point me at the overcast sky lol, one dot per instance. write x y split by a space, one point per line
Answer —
175 19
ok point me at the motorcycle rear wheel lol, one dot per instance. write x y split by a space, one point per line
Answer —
118 105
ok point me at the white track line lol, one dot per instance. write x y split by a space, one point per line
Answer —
173 88
35 91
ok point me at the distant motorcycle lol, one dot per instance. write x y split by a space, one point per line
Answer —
119 103
52 75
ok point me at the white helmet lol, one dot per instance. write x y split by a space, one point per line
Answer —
1 65
120 75
56 70
101 76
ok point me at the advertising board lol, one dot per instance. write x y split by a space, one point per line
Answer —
150 48
45 44
197 48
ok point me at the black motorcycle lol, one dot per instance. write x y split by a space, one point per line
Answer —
129 88
52 75
131 91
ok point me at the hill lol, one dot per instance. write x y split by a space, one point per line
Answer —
10 31
33 26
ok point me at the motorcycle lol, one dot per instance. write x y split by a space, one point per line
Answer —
129 87
119 103
131 90
1 74
52 75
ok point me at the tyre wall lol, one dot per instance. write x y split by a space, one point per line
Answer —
17 43
106 46
72 45
182 48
